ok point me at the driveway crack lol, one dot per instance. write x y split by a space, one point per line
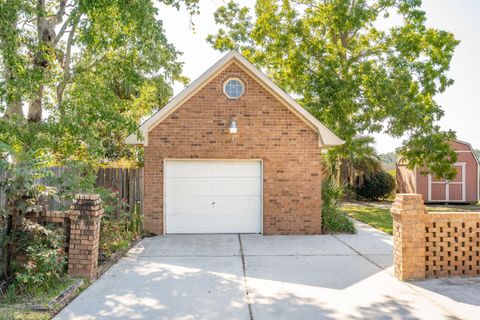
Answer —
359 253
250 313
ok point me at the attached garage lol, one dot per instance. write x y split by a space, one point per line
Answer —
213 196
233 153
463 189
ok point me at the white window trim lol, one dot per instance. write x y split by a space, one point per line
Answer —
225 85
447 183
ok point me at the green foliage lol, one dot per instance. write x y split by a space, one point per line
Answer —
45 263
26 196
119 226
378 186
356 78
333 220
388 160
360 163
94 67
13 301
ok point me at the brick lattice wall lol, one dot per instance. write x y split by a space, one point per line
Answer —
452 244
267 130
432 245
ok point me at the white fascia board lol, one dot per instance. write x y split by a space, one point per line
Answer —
326 137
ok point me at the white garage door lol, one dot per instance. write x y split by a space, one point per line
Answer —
213 196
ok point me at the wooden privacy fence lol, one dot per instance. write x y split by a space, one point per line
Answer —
128 183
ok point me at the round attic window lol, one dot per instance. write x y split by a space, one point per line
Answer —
233 88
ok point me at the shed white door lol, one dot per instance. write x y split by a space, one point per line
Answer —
213 196
448 191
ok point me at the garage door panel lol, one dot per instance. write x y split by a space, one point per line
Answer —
177 169
246 223
179 224
250 204
178 187
218 205
249 186
203 204
201 169
201 187
225 186
182 204
213 196
247 169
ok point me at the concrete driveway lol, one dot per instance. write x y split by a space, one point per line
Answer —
269 277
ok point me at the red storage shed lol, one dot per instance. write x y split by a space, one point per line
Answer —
463 189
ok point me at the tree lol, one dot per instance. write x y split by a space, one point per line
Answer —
86 71
354 76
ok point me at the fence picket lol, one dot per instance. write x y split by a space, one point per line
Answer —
127 182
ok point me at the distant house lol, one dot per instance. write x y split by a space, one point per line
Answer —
463 189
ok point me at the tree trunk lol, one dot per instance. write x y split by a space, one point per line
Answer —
40 62
35 109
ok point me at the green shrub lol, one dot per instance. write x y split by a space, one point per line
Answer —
377 186
333 220
119 225
45 262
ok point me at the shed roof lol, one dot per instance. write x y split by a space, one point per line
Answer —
326 137
403 162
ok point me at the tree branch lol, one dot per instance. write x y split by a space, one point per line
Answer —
66 70
62 30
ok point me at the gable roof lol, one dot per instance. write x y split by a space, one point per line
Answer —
403 162
326 137
470 147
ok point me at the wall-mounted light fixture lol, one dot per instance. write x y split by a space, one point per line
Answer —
233 127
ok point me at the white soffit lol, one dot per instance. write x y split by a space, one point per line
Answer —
326 137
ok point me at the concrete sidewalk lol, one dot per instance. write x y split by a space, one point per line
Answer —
269 277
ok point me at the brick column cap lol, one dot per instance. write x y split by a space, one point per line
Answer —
408 196
86 196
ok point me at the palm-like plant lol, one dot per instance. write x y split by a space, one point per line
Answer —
355 164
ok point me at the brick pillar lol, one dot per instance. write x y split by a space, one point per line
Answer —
85 214
409 217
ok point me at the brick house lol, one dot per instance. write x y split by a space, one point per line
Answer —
233 153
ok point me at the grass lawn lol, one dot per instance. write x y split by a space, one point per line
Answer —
379 218
11 305
453 207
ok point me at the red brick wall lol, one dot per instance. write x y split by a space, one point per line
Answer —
267 130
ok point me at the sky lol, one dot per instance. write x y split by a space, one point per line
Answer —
459 101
